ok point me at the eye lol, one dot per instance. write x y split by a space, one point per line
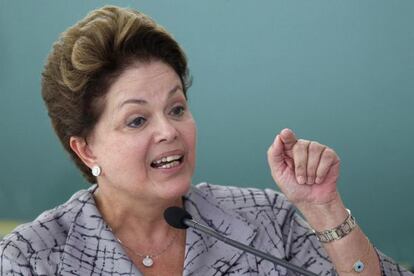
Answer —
137 122
177 111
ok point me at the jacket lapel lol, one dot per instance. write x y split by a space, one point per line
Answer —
90 246
205 255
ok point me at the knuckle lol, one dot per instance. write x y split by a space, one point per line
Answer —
301 145
303 142
315 144
315 147
330 153
315 152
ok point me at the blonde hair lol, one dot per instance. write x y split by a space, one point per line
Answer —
89 56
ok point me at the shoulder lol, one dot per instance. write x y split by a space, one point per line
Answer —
239 197
48 231
255 205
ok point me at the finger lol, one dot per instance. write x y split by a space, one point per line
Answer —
328 159
288 138
300 158
314 155
275 153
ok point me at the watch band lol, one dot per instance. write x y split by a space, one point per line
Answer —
338 232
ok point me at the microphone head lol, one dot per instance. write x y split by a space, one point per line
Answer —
175 217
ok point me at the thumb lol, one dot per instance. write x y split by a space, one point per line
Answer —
288 138
275 154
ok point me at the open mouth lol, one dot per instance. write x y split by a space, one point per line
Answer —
168 162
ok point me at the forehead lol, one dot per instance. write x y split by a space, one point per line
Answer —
143 80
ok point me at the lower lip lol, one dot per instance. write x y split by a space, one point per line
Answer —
170 170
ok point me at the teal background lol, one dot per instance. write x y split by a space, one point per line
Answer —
339 72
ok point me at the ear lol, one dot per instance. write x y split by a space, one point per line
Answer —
82 150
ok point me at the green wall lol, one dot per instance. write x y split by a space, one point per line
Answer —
339 72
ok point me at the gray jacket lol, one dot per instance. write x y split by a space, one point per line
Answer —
73 239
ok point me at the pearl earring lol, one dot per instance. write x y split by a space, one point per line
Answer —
96 170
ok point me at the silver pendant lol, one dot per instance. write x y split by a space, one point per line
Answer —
147 261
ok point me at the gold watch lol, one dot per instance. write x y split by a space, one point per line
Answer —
338 232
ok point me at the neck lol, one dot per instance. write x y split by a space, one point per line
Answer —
137 219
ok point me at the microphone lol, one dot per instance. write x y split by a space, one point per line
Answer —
179 218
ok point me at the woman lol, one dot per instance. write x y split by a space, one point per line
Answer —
115 87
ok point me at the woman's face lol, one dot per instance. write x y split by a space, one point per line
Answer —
145 139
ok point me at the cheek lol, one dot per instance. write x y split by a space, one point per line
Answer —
123 155
190 134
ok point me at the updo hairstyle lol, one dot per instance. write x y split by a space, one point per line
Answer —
88 58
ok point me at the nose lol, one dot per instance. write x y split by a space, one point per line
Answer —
165 130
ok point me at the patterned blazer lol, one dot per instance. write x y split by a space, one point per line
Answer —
73 239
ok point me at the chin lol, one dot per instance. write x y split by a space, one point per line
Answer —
174 189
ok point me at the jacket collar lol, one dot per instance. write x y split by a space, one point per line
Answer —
205 255
90 245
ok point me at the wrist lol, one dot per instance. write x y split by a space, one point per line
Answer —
324 216
339 232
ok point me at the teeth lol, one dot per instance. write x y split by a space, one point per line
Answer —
170 165
167 159
174 157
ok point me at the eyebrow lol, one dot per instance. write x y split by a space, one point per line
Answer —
144 102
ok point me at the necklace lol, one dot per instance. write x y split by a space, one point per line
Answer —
148 259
